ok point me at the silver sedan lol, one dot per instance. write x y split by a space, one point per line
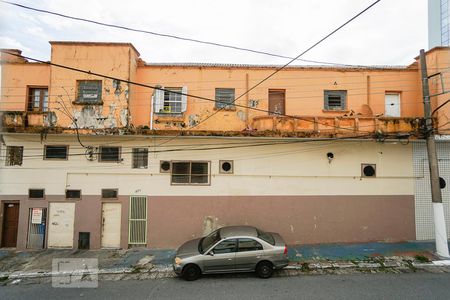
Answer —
232 249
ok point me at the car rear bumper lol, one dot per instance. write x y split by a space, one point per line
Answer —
279 264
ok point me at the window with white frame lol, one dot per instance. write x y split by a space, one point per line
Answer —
140 158
170 100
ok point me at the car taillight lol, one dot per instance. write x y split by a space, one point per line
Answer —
285 250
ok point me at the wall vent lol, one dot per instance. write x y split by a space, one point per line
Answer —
226 167
165 166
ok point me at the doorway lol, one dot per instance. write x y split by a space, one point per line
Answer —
111 221
10 224
277 102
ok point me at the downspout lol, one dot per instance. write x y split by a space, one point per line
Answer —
247 97
368 90
151 110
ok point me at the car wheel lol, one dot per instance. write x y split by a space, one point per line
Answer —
264 269
191 272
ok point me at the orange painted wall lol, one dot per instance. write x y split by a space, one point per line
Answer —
16 77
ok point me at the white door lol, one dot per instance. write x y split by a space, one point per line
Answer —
111 219
60 227
392 105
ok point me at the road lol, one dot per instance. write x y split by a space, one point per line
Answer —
356 286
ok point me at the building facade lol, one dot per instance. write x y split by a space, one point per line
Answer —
438 23
103 150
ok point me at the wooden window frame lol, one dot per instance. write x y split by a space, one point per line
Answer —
135 151
30 100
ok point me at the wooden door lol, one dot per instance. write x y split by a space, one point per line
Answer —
10 224
111 221
277 102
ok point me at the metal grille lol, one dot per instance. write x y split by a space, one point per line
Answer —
137 234
36 232
422 189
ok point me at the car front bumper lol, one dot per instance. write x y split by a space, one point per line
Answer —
177 269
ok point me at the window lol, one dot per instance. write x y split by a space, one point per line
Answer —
335 100
55 152
227 246
73 194
89 91
140 158
38 99
110 193
109 154
170 100
190 172
249 245
14 155
224 98
36 193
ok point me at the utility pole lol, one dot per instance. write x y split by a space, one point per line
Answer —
440 231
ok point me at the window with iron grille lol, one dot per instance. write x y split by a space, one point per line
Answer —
224 98
109 154
89 91
110 193
172 101
335 100
140 158
36 193
38 99
14 155
55 152
73 194
190 173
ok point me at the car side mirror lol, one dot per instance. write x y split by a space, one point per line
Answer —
211 253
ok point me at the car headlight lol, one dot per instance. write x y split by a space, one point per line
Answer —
178 260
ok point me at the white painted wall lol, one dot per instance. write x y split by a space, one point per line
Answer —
293 169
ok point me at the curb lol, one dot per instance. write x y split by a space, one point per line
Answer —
168 269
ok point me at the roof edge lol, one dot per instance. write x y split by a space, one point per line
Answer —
94 44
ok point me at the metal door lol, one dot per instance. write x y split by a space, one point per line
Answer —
61 225
111 221
276 102
36 228
10 224
392 105
137 227
222 258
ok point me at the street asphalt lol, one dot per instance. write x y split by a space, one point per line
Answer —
246 286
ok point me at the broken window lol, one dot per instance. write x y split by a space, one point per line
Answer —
110 193
140 158
335 100
224 98
55 152
190 172
89 91
14 155
170 100
109 154
38 99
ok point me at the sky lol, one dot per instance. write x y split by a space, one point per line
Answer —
390 33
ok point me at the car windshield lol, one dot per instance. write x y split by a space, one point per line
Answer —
265 236
209 240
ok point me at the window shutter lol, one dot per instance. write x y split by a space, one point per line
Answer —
184 90
158 98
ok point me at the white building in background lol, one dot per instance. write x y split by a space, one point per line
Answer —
438 23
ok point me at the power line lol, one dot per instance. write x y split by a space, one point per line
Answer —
176 92
170 35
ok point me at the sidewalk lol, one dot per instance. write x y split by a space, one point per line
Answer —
143 263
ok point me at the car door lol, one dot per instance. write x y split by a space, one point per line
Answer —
221 258
249 253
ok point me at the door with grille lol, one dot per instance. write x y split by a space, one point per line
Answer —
137 227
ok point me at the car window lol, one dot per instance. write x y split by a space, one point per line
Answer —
265 236
249 245
227 246
209 240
